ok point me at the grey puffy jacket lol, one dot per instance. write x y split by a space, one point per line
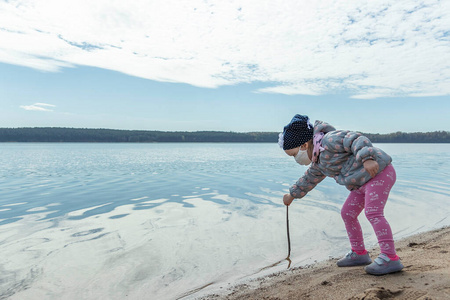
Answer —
343 158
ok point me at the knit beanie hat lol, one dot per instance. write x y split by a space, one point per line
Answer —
296 133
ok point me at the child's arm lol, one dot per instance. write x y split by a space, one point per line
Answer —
359 145
363 150
305 184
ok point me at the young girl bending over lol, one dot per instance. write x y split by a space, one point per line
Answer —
365 170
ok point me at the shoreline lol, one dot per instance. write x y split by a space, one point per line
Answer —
426 276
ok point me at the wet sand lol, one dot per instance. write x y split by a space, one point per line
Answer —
426 276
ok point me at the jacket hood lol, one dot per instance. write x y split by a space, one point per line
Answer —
320 126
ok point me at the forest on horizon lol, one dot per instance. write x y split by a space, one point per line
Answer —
85 135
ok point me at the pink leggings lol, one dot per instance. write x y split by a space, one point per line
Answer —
372 196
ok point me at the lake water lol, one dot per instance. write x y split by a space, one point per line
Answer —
168 221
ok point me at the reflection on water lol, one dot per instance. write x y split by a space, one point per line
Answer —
88 221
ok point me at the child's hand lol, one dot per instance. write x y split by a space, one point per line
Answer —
371 167
287 199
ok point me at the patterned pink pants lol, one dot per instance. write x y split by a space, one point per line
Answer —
372 196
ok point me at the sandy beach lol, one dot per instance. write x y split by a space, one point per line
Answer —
426 275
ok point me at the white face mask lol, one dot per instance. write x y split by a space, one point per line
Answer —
302 157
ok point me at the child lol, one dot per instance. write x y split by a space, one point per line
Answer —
352 161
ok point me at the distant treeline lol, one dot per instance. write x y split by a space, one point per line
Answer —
80 135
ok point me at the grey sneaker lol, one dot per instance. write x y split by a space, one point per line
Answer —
383 265
353 259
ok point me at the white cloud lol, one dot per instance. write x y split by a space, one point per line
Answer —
38 107
367 48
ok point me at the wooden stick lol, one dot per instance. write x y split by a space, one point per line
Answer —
288 237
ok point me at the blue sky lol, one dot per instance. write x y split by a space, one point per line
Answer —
225 65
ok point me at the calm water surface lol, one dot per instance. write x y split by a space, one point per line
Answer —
168 221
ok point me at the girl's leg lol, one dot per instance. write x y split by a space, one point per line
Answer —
350 212
376 194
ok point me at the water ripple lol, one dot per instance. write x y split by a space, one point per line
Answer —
172 217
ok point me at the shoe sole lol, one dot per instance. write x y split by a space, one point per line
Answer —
355 264
383 273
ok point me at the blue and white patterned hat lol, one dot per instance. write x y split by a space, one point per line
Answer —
296 133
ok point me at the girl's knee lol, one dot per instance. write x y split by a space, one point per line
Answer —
374 215
352 206
348 214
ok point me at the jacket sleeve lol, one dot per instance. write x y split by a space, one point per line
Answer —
306 183
360 146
